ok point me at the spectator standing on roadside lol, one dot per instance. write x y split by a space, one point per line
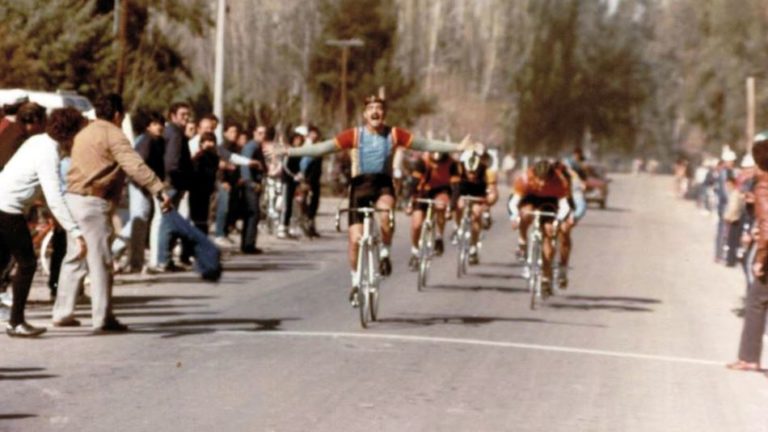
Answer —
312 171
751 344
291 177
252 187
178 175
205 163
227 190
150 145
723 173
101 157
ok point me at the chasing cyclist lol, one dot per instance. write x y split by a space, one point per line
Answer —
371 148
477 179
437 178
542 187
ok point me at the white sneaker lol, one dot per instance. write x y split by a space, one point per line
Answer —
526 272
6 299
222 242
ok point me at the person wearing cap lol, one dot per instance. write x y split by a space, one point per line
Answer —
724 171
756 304
34 167
371 148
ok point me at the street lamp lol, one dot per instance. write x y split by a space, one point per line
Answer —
345 45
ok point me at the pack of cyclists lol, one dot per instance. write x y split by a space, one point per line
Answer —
456 177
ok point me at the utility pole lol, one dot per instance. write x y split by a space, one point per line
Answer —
750 112
122 43
345 45
218 79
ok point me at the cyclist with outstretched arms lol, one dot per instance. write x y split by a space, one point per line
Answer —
476 179
371 148
542 187
437 178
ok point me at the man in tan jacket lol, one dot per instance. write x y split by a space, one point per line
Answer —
101 158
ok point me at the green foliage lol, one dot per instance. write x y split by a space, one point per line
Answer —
369 67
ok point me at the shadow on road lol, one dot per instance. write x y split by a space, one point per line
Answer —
494 275
190 327
614 299
18 416
502 289
507 264
593 306
427 320
614 210
23 374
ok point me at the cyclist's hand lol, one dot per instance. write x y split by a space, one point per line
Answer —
466 144
758 270
276 151
83 248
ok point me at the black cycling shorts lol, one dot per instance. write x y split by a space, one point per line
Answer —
548 204
431 194
473 189
365 190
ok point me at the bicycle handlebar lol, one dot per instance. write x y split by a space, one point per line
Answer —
470 199
539 213
365 211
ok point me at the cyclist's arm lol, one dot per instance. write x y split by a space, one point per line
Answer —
427 145
513 206
315 150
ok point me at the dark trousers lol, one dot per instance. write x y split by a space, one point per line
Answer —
314 200
289 192
732 240
251 215
59 244
754 322
16 241
199 207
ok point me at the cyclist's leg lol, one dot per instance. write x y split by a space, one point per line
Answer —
355 233
526 219
443 199
477 213
565 243
417 219
386 202
548 250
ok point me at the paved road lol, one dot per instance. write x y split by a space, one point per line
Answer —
636 344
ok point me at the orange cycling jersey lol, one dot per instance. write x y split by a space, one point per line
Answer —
555 187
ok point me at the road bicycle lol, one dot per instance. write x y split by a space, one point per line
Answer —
366 298
426 240
534 259
464 234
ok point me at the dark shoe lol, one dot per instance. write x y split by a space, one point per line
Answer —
112 326
252 251
486 221
67 322
385 266
439 247
546 288
413 262
563 281
24 330
353 297
474 258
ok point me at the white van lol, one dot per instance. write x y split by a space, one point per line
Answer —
51 101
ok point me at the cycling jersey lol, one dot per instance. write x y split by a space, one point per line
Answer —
371 152
530 190
476 183
432 175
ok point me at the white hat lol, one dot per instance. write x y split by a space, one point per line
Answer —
728 155
747 161
302 130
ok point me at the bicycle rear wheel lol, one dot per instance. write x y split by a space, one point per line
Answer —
373 285
363 268
426 243
534 265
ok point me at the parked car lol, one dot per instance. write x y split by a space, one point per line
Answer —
596 185
50 100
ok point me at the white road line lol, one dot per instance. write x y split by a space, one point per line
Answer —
479 342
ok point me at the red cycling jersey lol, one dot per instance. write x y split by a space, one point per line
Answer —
528 185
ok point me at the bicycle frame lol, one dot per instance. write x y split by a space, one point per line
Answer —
426 241
535 254
367 271
464 233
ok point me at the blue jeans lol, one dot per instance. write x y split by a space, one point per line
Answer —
166 233
222 209
134 234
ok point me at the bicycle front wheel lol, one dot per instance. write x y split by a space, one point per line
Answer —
363 268
373 284
534 266
425 253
